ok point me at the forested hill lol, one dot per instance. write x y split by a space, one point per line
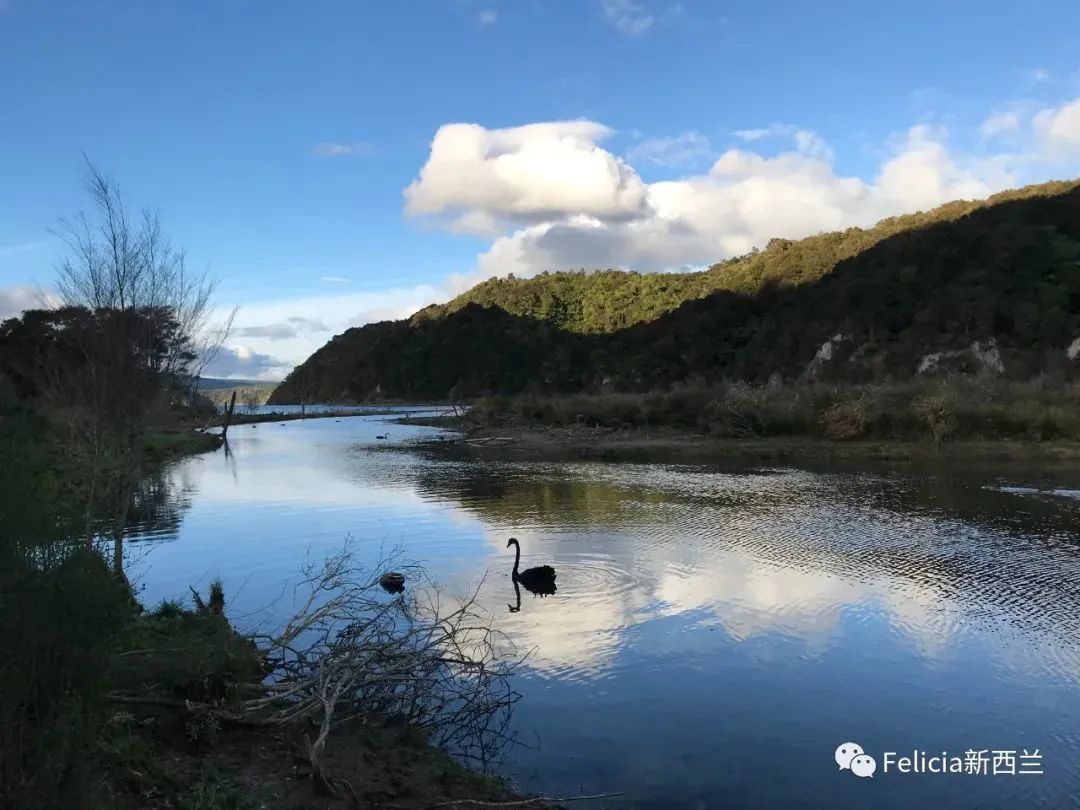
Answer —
1003 274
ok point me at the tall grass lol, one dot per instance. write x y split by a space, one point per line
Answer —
936 411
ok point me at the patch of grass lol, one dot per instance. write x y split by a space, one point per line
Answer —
185 655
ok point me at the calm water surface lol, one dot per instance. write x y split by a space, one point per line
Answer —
717 633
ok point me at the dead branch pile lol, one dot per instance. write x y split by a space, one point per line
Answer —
351 652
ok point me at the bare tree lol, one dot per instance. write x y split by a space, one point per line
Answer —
213 338
305 389
141 317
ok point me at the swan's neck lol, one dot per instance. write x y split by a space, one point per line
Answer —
517 558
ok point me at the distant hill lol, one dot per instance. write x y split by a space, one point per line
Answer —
991 285
214 383
248 395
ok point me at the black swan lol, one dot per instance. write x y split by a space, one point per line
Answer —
392 582
540 581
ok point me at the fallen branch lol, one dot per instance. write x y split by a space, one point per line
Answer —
350 651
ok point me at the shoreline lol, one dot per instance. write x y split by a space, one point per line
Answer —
389 765
675 445
282 416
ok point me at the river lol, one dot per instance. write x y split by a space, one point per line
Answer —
718 631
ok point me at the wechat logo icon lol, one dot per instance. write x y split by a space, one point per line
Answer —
850 756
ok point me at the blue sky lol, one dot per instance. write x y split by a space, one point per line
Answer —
305 153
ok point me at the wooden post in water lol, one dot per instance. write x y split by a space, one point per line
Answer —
228 415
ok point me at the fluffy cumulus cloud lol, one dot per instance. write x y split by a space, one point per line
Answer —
742 201
244 363
479 177
553 197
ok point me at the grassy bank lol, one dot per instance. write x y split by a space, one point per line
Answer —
177 734
963 416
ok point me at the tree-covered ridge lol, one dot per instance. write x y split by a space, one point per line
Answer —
610 300
1004 273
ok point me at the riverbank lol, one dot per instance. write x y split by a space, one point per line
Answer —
929 419
669 444
292 416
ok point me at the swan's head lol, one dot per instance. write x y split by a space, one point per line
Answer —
511 542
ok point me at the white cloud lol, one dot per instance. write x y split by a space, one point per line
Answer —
742 201
1039 75
528 173
331 149
334 279
487 17
686 149
478 223
290 329
806 141
18 298
1058 128
286 330
595 211
1002 122
242 362
628 17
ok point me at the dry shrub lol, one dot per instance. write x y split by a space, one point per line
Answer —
846 419
937 411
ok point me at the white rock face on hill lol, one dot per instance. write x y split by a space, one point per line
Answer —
981 357
825 355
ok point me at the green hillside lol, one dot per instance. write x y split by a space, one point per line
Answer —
1006 269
